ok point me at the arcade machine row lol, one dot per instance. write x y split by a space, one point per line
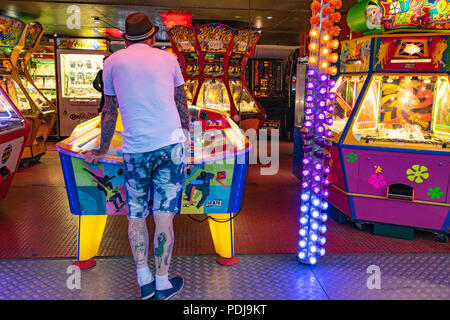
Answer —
391 129
13 132
19 39
213 59
216 177
45 105
79 61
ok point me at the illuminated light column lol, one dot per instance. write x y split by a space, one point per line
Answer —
318 109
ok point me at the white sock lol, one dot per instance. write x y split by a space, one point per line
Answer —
162 282
144 276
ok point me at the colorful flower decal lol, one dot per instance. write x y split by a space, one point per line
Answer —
435 193
417 173
352 157
377 180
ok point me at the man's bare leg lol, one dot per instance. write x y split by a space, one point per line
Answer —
163 245
138 236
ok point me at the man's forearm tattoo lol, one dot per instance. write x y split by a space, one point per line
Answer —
138 241
183 110
109 119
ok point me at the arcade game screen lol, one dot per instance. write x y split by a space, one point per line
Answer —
411 109
267 78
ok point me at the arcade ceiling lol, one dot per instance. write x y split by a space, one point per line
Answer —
281 21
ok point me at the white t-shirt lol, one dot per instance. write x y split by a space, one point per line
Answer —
144 79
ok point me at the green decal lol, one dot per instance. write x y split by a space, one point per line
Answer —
352 157
435 193
417 173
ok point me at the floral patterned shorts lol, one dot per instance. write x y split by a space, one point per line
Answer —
164 170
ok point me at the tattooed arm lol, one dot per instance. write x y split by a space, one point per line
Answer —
108 121
183 110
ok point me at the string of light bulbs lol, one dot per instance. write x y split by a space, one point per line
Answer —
318 110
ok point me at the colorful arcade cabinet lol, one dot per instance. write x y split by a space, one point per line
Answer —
214 187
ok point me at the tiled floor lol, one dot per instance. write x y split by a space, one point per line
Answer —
255 277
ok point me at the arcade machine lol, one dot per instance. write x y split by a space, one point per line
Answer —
19 38
79 61
13 132
291 80
42 69
391 129
214 187
46 107
267 76
299 114
213 59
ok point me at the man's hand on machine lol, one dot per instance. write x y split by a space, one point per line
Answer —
93 156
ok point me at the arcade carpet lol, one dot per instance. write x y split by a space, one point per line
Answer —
35 220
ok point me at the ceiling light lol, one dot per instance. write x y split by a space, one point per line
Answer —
269 17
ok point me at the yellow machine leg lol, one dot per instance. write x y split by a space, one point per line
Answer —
90 233
223 237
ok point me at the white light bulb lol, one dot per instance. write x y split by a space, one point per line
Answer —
301 255
321 252
322 240
316 202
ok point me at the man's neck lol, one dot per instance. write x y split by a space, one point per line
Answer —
141 43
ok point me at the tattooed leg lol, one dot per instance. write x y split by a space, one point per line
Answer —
138 236
163 241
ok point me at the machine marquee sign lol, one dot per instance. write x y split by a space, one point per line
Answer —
426 14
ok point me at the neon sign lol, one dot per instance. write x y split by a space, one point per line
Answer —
423 14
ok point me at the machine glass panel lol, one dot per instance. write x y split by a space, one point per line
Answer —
400 108
347 90
10 120
213 94
242 99
78 71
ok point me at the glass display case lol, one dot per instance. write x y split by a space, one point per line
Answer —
213 94
242 99
37 97
191 88
43 75
347 90
10 120
78 72
401 108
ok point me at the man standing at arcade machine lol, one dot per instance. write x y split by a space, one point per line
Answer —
148 87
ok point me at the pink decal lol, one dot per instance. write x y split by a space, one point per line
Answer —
377 180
